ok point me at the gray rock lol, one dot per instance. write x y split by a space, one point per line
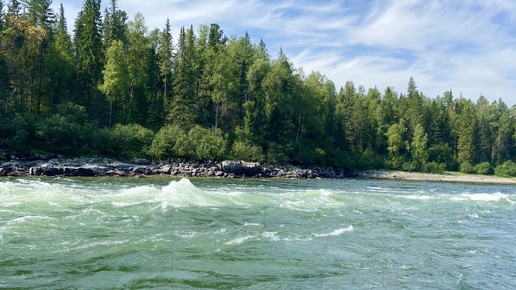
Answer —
140 161
84 172
232 166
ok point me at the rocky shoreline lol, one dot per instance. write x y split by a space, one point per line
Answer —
140 168
85 167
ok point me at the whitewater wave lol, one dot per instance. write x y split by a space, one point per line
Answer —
484 197
336 232
239 240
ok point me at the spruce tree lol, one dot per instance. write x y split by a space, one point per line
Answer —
88 54
165 62
183 111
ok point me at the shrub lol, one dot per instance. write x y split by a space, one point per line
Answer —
508 169
435 167
164 145
206 143
131 140
276 155
484 168
243 151
466 167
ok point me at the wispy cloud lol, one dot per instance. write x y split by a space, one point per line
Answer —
466 46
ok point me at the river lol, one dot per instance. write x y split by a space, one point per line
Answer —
161 233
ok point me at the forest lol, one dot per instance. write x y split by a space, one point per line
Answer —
115 88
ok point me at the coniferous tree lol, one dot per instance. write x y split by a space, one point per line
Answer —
165 62
61 63
114 26
183 111
88 53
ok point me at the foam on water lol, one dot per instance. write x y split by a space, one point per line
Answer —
336 232
417 197
127 233
484 197
239 240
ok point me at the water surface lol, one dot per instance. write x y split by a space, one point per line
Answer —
255 234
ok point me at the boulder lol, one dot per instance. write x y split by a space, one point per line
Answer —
81 171
140 161
252 168
232 166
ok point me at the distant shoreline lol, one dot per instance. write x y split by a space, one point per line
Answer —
437 177
221 169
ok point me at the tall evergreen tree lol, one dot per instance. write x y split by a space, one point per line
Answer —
61 63
165 62
88 53
115 24
183 111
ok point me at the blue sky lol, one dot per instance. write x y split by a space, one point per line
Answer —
466 46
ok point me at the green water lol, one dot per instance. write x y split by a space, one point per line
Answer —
255 234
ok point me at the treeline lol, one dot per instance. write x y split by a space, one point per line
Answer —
116 88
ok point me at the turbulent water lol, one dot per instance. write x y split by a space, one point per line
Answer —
255 234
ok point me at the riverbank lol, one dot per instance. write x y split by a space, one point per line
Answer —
179 168
444 177
139 168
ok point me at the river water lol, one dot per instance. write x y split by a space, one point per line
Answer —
159 233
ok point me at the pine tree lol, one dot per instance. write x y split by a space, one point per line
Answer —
88 53
61 63
165 62
184 106
114 26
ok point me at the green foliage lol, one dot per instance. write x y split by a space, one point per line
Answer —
165 142
213 92
206 143
467 167
435 167
484 168
243 151
132 140
418 147
507 169
275 154
199 144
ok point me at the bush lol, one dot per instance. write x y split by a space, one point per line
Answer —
206 143
199 144
131 140
247 152
276 155
466 167
507 169
164 145
484 168
435 167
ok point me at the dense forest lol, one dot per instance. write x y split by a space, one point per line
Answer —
116 88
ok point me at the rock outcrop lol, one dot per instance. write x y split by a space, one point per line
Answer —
142 167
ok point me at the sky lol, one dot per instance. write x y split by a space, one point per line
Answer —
468 47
